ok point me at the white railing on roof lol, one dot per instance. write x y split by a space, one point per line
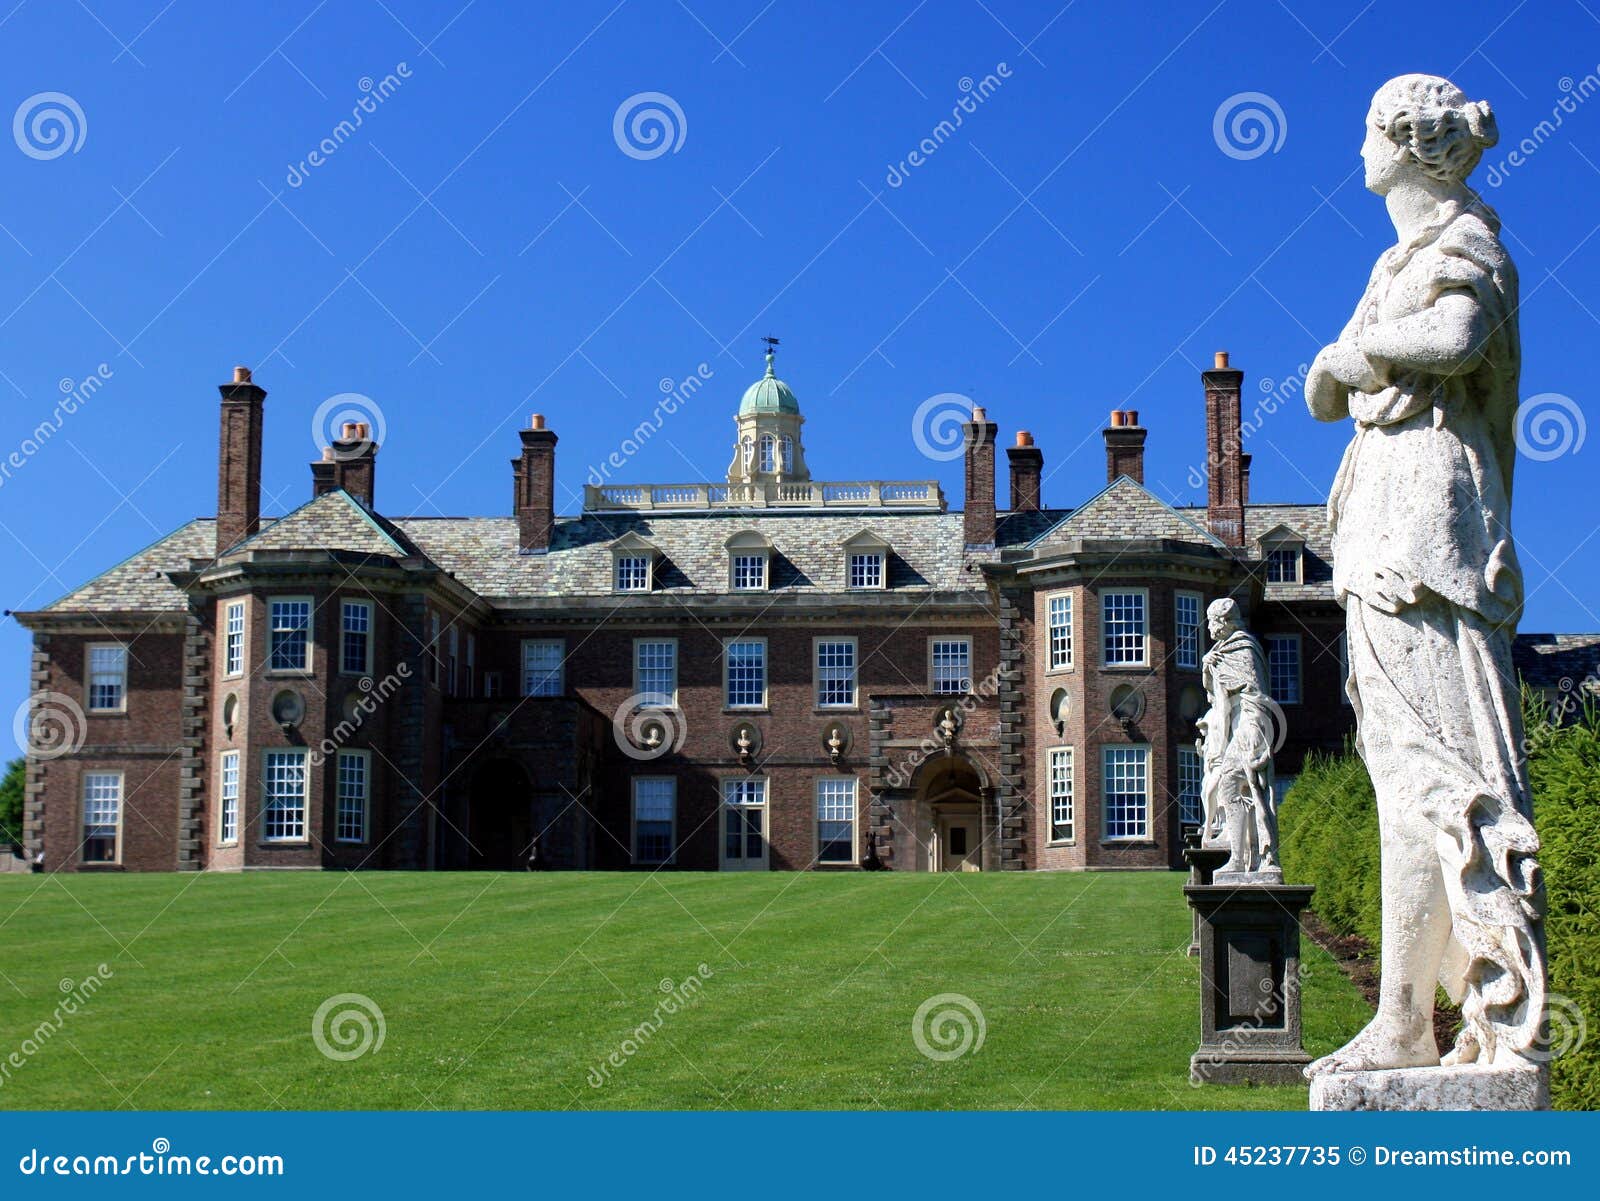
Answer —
806 494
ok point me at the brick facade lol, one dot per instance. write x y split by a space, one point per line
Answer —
460 769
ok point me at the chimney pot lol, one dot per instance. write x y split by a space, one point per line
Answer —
241 375
1124 446
1222 360
350 432
536 422
978 414
1024 438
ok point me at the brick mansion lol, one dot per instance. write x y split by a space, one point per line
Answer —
762 672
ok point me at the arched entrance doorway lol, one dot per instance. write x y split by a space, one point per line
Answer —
953 821
500 829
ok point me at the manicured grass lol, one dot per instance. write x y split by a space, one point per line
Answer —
510 991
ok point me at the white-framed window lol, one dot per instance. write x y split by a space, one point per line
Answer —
835 660
744 822
283 796
655 818
1125 627
866 569
108 677
747 451
355 637
435 649
1283 667
289 633
472 664
950 665
1191 770
355 789
542 667
786 451
836 819
633 573
452 658
1283 564
1186 616
233 638
228 799
1058 620
750 572
769 453
655 670
102 817
1125 786
745 673
1063 796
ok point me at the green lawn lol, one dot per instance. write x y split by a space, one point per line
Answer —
511 991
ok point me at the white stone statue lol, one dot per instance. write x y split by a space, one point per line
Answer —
1236 737
1426 571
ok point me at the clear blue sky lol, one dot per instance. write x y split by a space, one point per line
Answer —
481 248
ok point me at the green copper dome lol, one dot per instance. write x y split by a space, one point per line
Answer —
769 394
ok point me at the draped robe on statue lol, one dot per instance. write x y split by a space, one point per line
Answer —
1237 747
1420 512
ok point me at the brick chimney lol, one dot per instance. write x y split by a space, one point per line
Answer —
1027 465
1125 446
534 477
350 463
978 517
1227 466
239 460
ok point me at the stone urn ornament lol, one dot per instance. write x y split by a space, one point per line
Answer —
1424 565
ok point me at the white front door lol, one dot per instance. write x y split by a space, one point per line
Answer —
744 824
958 844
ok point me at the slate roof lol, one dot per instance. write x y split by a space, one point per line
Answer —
1544 660
333 521
1124 509
927 548
139 582
926 551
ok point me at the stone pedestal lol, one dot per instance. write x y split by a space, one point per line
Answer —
1249 983
1467 1086
1203 861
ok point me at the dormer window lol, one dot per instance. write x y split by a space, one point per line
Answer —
1283 552
866 561
633 573
633 561
1283 564
749 557
866 569
749 573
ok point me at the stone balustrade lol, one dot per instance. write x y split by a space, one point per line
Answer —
922 495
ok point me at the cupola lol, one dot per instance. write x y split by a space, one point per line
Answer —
766 447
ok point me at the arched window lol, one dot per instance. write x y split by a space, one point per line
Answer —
747 447
769 448
788 454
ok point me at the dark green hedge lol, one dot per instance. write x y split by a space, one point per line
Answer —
1328 830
